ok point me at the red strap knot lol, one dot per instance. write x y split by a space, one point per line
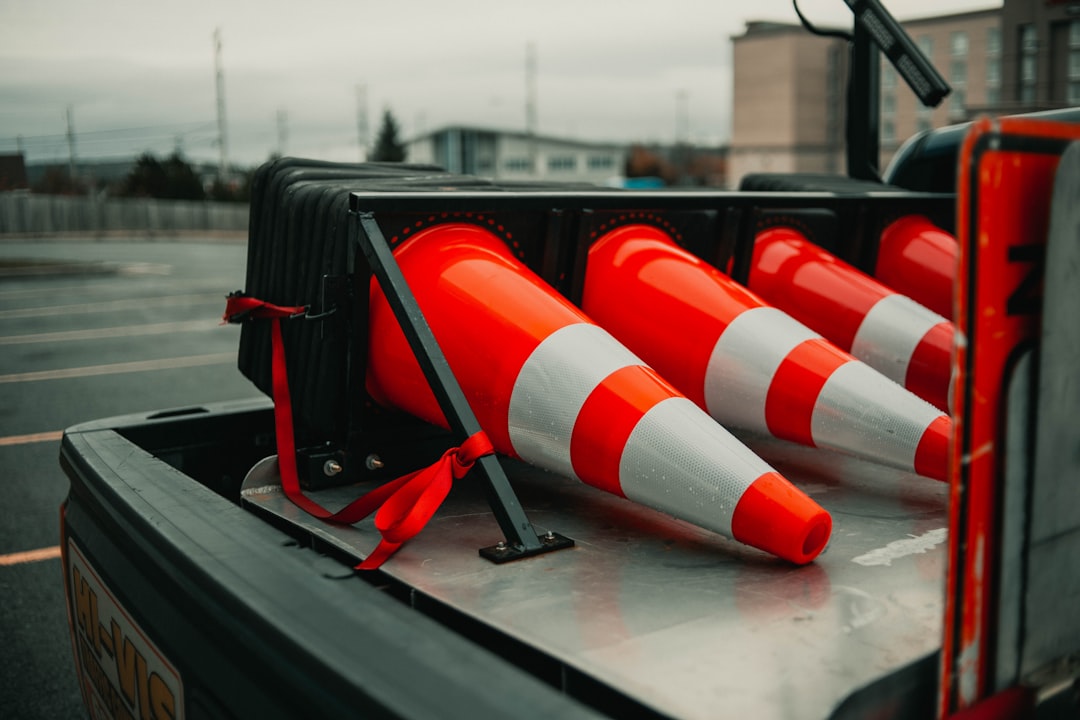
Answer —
475 447
414 498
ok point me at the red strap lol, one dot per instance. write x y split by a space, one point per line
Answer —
404 505
241 307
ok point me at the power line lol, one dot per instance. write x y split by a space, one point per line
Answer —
171 128
59 151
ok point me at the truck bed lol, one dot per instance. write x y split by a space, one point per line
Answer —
645 616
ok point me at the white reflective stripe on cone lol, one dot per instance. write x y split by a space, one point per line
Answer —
744 361
890 332
551 387
705 478
888 433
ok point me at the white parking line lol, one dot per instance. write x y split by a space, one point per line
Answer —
113 305
119 368
112 332
159 283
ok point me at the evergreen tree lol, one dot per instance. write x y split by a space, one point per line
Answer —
182 183
146 179
174 179
387 146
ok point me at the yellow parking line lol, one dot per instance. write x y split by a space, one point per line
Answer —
30 556
32 438
120 368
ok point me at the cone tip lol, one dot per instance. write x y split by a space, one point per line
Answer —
932 454
775 516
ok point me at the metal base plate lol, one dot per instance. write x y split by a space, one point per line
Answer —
502 553
681 619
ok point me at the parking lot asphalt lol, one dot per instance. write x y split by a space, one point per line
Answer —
89 330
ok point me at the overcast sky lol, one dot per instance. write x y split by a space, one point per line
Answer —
139 74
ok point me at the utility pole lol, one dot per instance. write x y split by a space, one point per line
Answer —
71 141
682 118
362 121
282 131
223 142
530 104
682 134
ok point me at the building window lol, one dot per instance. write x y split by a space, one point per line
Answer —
958 48
1029 40
993 66
1029 47
562 163
517 164
926 45
1072 93
888 77
957 100
958 72
958 44
888 131
601 162
1027 69
922 123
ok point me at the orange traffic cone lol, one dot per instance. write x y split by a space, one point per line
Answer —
551 387
890 332
918 259
750 365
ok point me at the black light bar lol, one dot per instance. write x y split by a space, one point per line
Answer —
901 50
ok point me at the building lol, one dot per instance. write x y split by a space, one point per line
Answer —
966 49
1040 48
788 101
788 109
517 156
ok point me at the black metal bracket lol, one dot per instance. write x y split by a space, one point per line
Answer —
521 538
876 32
863 108
323 467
